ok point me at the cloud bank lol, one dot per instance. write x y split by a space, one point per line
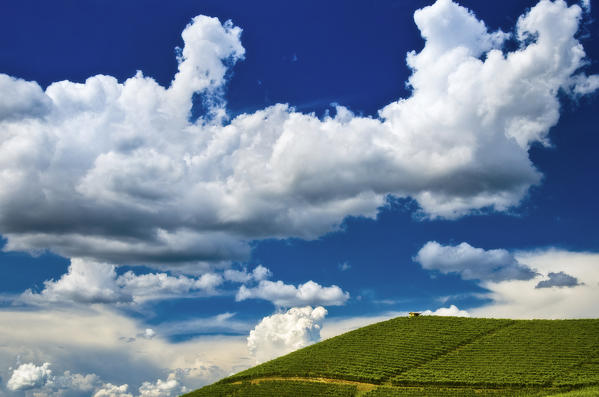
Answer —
117 172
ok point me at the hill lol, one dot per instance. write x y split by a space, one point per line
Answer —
434 356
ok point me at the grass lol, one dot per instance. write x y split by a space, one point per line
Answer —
434 356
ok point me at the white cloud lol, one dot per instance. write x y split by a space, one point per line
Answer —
242 276
584 85
110 390
154 285
21 99
88 281
115 171
451 311
285 332
29 376
520 299
163 388
472 263
76 382
344 266
85 282
40 380
281 294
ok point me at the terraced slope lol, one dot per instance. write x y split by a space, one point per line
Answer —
375 353
527 353
434 356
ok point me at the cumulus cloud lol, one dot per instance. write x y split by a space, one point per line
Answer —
76 382
285 332
85 282
118 172
21 99
29 376
110 390
163 388
91 282
88 281
287 295
560 279
39 378
451 311
243 276
472 263
154 285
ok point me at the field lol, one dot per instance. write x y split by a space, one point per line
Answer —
434 356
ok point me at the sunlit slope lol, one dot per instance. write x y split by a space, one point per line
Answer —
375 353
433 356
537 352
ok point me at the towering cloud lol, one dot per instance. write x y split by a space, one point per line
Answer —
118 172
285 332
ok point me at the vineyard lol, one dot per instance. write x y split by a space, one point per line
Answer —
275 388
527 353
434 356
373 354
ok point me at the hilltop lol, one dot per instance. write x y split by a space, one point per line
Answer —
434 356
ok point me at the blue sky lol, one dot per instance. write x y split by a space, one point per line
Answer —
367 158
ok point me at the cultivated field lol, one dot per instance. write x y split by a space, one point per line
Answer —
434 356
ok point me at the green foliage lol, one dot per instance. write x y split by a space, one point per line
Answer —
526 353
275 388
374 353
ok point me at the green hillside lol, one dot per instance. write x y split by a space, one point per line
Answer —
434 356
